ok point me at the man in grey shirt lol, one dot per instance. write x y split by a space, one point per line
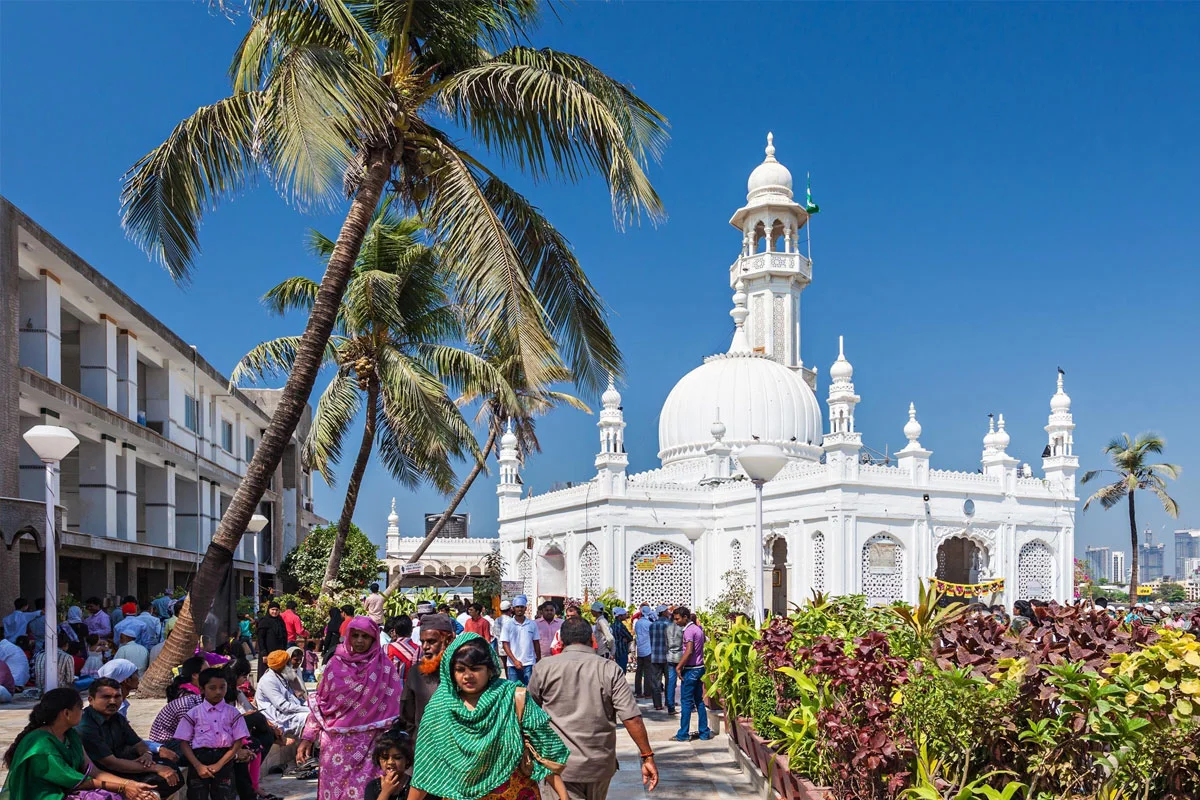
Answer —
585 695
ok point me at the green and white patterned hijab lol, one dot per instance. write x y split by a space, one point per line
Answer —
462 753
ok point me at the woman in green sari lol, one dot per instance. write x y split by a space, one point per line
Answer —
470 741
47 762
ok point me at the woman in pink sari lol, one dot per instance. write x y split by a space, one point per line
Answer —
358 697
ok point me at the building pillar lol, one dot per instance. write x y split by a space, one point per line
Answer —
204 514
170 575
10 393
41 325
127 493
110 574
98 486
98 362
127 387
160 505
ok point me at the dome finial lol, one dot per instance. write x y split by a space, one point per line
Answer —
611 397
770 146
842 370
740 343
912 428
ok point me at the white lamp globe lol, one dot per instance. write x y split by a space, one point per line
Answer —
256 524
50 442
762 462
692 530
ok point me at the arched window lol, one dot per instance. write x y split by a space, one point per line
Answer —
660 573
589 570
883 570
1035 572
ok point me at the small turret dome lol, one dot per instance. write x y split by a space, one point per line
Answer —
1002 438
912 428
611 397
842 370
769 177
1060 401
509 439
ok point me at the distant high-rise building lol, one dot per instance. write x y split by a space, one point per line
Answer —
1187 545
1099 561
1150 561
1118 573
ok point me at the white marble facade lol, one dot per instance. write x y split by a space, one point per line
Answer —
833 520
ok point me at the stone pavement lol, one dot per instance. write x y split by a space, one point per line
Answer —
687 771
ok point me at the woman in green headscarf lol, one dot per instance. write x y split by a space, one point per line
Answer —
470 741
46 761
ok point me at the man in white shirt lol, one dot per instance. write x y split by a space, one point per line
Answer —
17 661
374 604
127 633
277 700
16 623
521 642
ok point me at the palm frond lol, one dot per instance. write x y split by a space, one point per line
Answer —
293 294
210 154
1108 496
553 113
274 358
1172 471
1168 503
318 105
335 411
577 314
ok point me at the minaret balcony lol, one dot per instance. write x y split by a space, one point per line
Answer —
787 265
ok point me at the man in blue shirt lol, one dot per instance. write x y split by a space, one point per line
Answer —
658 655
521 642
641 635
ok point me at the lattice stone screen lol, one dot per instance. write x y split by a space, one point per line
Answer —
1035 572
660 573
883 570
735 555
818 561
525 573
589 570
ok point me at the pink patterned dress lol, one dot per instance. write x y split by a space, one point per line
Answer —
357 699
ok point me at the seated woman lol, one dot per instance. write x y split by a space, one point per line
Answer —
47 761
473 733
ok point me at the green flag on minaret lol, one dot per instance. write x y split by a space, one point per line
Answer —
809 205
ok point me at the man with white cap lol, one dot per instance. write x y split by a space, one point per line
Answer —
521 642
498 625
128 631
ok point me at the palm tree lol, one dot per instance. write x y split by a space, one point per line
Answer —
339 99
388 344
1130 459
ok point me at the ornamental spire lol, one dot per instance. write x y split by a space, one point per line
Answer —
740 343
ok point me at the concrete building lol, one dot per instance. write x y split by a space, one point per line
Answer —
1187 546
1119 574
164 441
834 519
1099 561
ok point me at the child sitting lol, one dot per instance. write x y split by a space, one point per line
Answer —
393 755
309 669
211 736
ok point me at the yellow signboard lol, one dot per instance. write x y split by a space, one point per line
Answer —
1145 591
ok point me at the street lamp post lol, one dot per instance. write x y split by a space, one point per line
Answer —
52 444
693 531
256 524
761 463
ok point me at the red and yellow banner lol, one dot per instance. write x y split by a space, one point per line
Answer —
968 589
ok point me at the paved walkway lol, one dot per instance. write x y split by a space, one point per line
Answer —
687 771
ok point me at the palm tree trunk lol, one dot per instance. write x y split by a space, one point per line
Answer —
480 463
353 485
293 399
1133 556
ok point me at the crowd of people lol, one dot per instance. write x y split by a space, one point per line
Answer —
87 639
1027 613
450 702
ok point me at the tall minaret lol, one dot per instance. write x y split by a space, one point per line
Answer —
842 443
612 458
770 264
393 530
1059 462
510 466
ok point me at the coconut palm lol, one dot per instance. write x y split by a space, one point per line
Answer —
1131 465
389 346
342 98
497 411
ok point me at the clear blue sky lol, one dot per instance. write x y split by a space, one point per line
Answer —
1004 189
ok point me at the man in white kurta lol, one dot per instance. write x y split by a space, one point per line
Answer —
277 700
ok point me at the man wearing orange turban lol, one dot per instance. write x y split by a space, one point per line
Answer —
277 659
276 699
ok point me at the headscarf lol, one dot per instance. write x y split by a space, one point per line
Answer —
291 651
132 627
358 691
75 615
66 630
277 658
119 669
462 753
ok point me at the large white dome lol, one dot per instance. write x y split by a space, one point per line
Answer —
753 395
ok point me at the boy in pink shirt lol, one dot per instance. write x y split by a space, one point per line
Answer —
211 735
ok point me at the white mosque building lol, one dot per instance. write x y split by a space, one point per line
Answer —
834 520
